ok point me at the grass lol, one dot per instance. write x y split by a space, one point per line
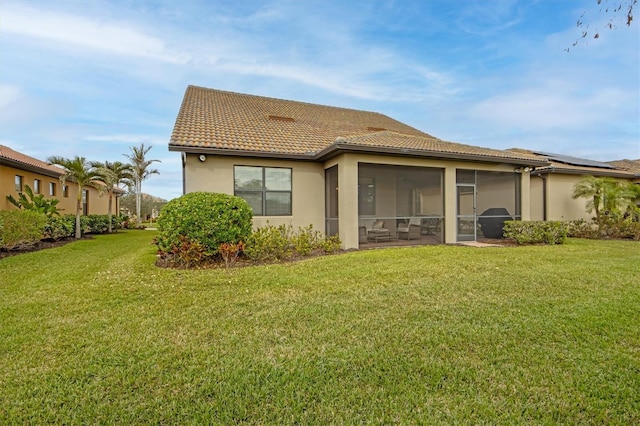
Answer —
92 332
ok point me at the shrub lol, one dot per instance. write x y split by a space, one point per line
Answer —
536 232
582 229
269 243
21 228
59 227
273 243
96 223
206 218
186 253
230 252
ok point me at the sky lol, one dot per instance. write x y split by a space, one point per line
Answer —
94 77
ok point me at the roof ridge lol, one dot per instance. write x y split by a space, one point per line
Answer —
271 98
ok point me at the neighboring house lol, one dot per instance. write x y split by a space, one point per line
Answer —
552 185
359 174
18 170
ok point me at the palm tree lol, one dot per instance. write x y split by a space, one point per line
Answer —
81 172
113 175
605 195
141 171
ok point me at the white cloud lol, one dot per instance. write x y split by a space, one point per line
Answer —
66 29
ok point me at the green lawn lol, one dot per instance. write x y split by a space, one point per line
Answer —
93 332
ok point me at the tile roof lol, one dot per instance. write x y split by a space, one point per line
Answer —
434 146
233 123
560 167
632 166
18 159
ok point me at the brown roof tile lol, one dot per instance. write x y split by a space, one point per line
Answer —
435 146
19 159
212 119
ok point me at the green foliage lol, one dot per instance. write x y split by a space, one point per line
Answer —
36 203
606 196
59 227
274 243
185 253
20 229
269 244
207 218
582 229
83 174
536 232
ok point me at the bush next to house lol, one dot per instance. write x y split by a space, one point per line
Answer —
274 243
536 232
202 222
21 229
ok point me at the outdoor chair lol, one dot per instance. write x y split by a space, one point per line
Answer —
378 232
409 231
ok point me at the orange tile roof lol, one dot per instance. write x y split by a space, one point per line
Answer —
236 123
19 159
435 146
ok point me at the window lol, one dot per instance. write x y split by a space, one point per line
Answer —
65 191
266 189
19 181
366 196
52 188
37 186
85 202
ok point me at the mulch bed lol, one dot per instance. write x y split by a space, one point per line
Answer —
41 245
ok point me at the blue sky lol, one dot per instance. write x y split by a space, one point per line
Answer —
93 78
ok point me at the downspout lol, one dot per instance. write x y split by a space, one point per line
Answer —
184 180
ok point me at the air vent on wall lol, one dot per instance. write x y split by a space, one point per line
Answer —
279 118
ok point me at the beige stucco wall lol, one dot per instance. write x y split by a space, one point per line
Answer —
215 174
98 204
537 198
560 203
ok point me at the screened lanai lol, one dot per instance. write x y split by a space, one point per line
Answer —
400 204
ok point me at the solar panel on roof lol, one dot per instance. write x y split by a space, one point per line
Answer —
574 161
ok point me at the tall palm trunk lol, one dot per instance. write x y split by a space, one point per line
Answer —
110 228
138 202
78 209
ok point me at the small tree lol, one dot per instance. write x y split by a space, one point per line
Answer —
606 196
79 171
141 171
113 175
36 203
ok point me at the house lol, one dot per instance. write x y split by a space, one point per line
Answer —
359 174
552 185
18 170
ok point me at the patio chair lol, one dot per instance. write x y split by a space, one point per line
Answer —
409 231
378 232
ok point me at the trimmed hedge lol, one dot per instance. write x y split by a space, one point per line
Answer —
536 232
204 218
21 229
